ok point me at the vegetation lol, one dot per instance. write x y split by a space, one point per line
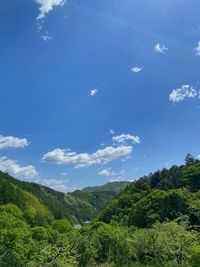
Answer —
154 221
77 207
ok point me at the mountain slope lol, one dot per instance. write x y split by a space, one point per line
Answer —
99 196
77 207
162 196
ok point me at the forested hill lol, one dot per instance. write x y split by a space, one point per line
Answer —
153 222
76 207
99 196
165 195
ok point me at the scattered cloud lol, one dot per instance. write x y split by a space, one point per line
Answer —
101 156
13 168
7 142
93 92
197 49
111 131
47 5
183 92
47 37
136 69
162 49
123 138
198 157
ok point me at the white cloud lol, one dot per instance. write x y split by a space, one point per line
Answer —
47 5
197 49
93 92
181 93
12 142
106 172
162 49
101 156
13 168
123 138
61 185
117 179
136 69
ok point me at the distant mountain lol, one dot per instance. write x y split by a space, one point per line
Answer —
111 186
99 196
77 207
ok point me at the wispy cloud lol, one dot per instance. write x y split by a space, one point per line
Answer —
110 172
47 37
185 91
111 131
197 49
123 138
136 69
47 5
13 168
93 92
61 185
7 142
160 48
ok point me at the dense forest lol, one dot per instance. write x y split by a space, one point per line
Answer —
154 221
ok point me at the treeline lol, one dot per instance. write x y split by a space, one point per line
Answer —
164 195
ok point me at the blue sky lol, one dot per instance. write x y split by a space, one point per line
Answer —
93 91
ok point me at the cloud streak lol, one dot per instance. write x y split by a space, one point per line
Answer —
123 138
136 69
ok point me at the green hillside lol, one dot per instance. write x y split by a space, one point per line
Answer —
154 221
165 195
77 207
99 196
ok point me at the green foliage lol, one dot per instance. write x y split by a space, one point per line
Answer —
195 256
154 222
62 226
77 207
191 176
159 206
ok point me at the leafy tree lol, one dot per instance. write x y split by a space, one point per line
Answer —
160 206
191 176
195 255
189 159
62 226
